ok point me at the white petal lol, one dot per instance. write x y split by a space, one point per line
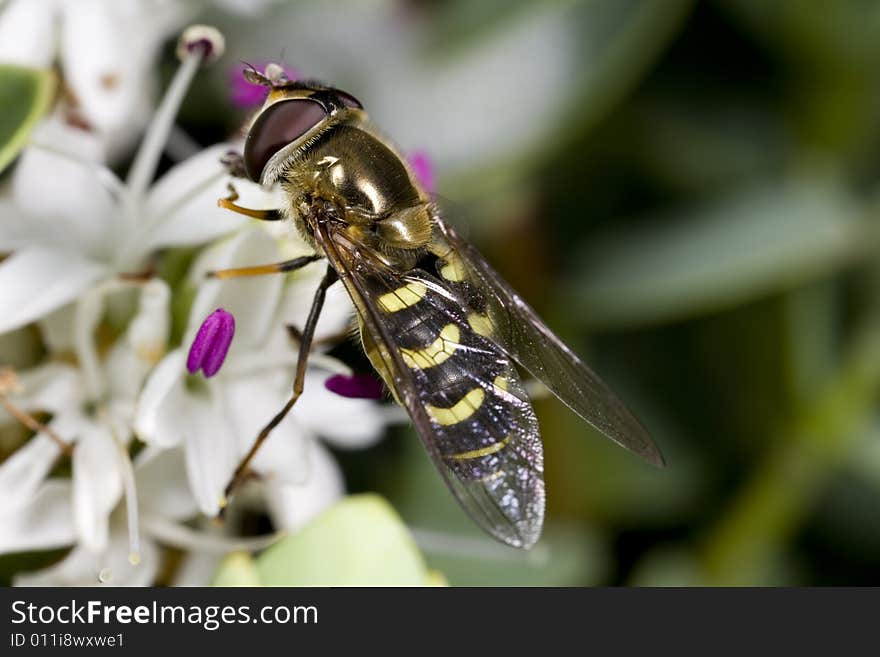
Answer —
83 567
56 329
148 332
108 52
37 280
253 401
252 301
341 421
52 387
18 230
292 506
43 523
80 213
125 374
146 338
27 33
97 485
211 452
162 484
182 206
162 403
23 472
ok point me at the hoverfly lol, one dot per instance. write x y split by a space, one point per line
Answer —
441 328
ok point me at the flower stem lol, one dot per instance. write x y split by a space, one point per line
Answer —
35 425
147 159
810 447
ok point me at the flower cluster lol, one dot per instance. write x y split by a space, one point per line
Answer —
150 421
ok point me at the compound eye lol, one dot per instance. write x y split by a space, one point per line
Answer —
348 100
275 128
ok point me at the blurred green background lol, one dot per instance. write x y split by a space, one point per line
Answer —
687 192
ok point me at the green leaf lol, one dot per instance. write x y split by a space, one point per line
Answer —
361 541
237 569
25 95
741 248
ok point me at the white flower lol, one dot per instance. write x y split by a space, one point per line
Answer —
163 503
107 51
72 226
97 430
217 419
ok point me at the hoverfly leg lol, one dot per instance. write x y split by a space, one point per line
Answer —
299 379
260 270
229 203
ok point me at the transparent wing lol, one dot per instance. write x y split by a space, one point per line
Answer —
522 335
462 392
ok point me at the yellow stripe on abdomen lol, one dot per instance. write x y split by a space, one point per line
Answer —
403 297
436 353
461 411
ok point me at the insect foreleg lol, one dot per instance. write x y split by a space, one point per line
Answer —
302 361
229 203
259 270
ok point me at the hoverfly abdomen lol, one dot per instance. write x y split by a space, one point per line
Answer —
471 391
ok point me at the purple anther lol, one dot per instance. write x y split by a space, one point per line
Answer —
208 350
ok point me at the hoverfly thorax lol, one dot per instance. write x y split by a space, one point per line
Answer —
317 143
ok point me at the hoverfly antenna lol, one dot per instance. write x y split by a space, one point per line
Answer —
252 75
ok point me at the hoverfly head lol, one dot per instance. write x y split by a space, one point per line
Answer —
293 111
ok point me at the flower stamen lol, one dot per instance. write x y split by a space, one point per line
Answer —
131 504
211 344
198 44
204 40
